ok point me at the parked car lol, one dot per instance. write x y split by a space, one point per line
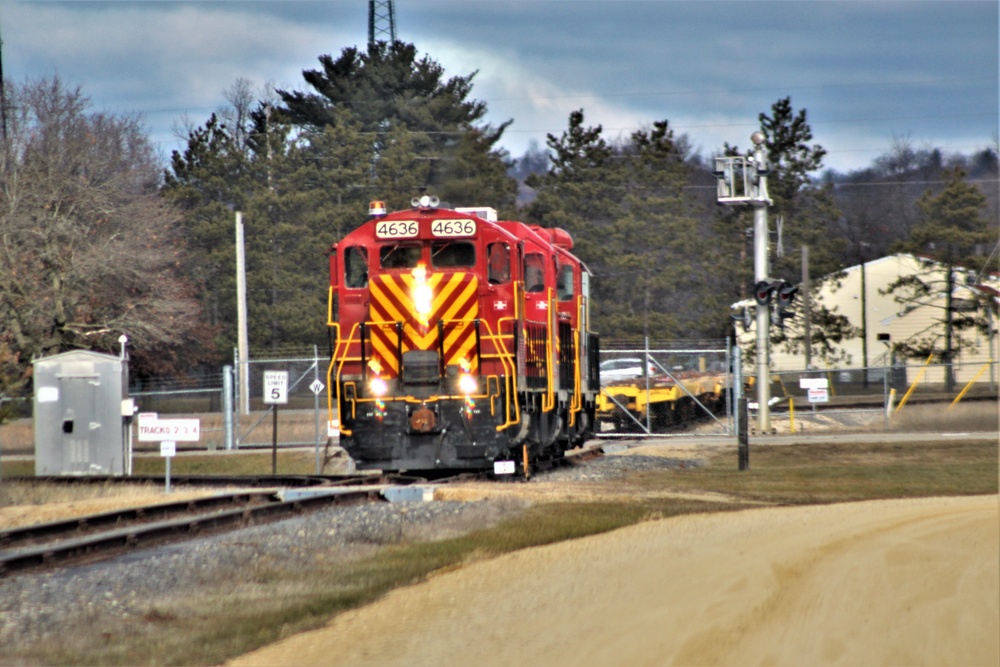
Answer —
625 368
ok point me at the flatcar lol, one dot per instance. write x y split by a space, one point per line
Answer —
459 342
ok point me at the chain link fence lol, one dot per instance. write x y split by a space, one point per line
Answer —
648 389
665 388
874 398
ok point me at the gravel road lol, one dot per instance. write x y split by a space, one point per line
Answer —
914 582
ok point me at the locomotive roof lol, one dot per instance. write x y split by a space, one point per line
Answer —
515 230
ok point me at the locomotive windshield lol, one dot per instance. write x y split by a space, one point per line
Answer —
399 256
453 254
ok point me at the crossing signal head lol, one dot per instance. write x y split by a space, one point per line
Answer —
762 292
786 294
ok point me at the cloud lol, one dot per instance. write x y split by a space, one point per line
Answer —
864 70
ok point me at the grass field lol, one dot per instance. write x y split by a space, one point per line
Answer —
236 616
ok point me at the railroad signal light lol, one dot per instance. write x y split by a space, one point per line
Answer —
762 292
786 294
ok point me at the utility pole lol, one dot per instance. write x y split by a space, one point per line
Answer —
807 306
743 180
381 21
3 100
243 345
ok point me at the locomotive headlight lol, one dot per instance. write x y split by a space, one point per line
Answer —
378 387
422 295
467 384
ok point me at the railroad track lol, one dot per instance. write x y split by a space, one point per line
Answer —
95 537
100 536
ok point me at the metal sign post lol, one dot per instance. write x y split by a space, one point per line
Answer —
167 451
275 394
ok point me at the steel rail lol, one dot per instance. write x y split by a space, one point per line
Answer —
212 480
108 543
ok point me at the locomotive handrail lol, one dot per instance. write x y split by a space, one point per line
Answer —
549 399
576 402
342 357
505 359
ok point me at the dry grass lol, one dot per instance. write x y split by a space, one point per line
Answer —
976 417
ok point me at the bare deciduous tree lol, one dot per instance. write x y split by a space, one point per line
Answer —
88 248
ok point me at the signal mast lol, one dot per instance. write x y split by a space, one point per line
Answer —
743 180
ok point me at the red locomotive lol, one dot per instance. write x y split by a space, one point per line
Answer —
460 342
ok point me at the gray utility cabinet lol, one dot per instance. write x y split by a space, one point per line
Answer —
79 423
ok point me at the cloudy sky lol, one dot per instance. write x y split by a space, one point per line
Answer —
868 73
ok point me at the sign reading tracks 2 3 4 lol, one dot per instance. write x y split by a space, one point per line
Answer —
153 429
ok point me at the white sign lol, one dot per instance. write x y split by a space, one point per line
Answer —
168 448
503 467
275 387
317 387
47 394
162 430
813 383
818 396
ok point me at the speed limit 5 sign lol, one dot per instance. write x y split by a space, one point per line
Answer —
275 387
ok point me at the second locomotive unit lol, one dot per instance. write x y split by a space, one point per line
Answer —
459 342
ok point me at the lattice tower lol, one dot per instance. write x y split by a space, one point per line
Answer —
381 21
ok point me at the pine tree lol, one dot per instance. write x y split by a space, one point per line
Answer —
952 239
806 208
388 90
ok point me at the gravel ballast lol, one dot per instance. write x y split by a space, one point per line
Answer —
36 607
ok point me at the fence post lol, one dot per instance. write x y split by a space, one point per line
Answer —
885 395
227 405
744 437
737 369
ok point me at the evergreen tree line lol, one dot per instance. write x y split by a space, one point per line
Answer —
106 243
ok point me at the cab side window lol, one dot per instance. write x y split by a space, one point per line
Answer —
498 263
534 273
356 267
564 283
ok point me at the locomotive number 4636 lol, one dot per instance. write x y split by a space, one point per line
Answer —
399 229
449 228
